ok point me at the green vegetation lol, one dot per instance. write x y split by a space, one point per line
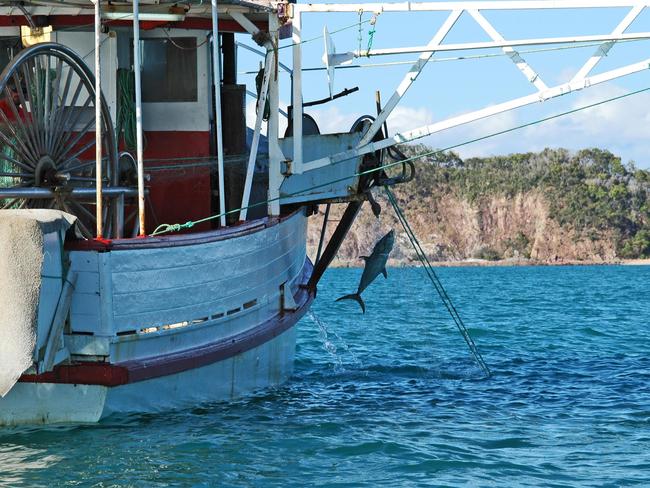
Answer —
519 246
590 191
487 253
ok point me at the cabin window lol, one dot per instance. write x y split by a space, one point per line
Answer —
169 70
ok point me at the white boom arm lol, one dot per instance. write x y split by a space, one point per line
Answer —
473 9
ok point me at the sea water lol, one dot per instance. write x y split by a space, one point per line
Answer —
393 398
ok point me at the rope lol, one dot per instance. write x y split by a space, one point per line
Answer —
182 48
576 45
161 229
206 164
165 228
126 120
93 49
437 284
371 34
321 36
455 58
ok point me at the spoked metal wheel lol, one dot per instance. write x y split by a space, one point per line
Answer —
47 135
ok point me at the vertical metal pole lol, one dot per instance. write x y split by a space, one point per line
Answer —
119 216
275 153
322 232
99 212
269 68
138 113
216 77
296 166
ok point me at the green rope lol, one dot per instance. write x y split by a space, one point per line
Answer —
7 166
126 117
164 228
437 284
371 34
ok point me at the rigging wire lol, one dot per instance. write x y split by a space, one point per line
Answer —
182 48
311 39
437 284
360 34
459 58
166 228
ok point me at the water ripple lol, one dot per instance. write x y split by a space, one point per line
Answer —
392 397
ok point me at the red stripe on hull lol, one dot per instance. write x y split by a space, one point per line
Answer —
103 374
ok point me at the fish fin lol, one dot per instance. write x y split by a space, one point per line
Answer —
384 272
356 297
365 258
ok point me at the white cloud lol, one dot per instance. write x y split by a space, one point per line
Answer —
622 126
476 131
332 119
251 116
407 118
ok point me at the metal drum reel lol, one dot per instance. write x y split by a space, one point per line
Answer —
47 137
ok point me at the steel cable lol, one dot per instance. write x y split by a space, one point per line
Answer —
437 284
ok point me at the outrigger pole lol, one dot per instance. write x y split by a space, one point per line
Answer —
216 75
98 125
471 9
138 114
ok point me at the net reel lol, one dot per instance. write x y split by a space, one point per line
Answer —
47 138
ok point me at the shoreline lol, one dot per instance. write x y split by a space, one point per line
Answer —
499 263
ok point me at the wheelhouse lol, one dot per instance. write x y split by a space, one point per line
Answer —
194 157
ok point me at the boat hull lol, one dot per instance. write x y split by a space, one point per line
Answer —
146 359
268 365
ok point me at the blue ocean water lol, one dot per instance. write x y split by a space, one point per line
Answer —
392 397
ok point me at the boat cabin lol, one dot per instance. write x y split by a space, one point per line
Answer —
176 153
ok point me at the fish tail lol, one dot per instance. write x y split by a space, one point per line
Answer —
356 297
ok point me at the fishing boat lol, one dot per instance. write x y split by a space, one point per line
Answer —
152 246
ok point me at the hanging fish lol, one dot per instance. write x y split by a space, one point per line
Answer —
375 265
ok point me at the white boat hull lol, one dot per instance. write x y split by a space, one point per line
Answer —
162 327
265 366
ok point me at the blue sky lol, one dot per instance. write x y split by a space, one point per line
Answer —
447 88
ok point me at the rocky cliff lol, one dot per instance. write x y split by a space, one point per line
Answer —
458 214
